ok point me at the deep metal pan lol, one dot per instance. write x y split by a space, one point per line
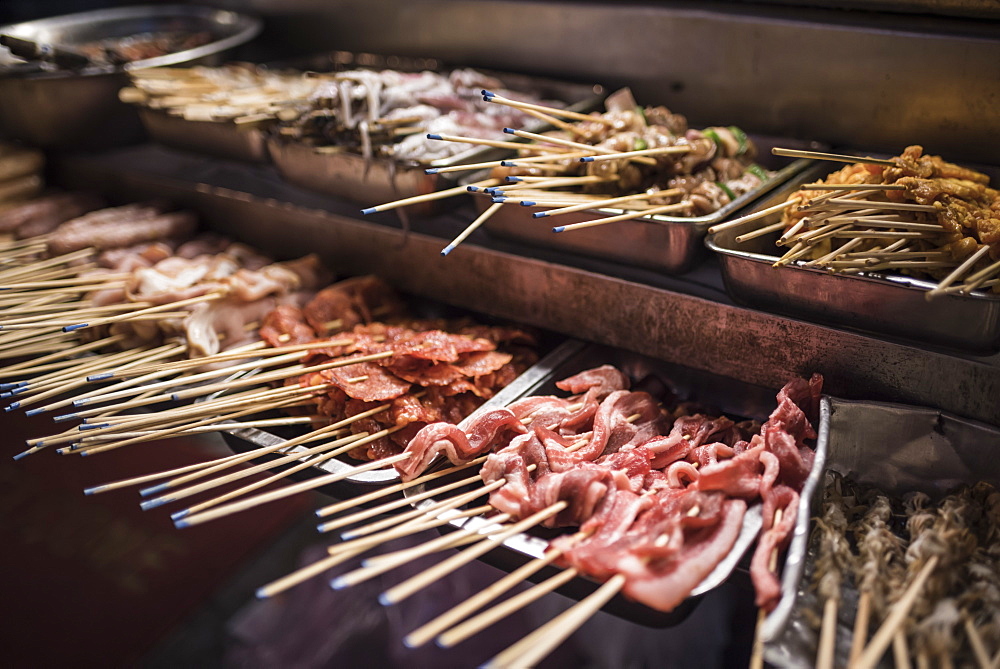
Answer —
370 182
669 244
222 139
893 305
82 110
899 449
726 395
248 438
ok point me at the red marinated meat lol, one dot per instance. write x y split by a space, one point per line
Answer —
688 433
366 381
286 326
480 363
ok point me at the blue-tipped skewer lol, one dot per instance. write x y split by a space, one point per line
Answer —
497 200
433 136
488 94
510 131
100 377
559 228
12 406
431 170
34 412
72 328
587 159
177 515
507 163
152 490
369 210
153 503
528 203
448 249
513 180
181 524
91 491
24 454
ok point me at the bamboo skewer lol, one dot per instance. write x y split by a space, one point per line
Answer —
497 144
403 590
535 646
564 113
493 615
624 217
389 506
547 139
760 232
719 227
310 458
757 654
428 631
663 150
638 197
482 218
873 652
428 197
856 187
836 157
958 272
281 493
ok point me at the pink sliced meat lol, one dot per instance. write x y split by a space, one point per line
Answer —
739 476
439 346
687 433
479 363
663 587
774 536
612 429
456 445
606 379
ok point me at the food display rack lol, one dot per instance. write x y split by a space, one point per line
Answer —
676 320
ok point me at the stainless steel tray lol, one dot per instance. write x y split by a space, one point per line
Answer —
669 244
350 176
83 109
897 448
223 139
729 396
894 305
246 438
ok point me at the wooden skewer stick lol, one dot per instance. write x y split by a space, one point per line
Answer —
542 183
26 366
535 646
564 113
430 197
645 160
873 652
872 204
757 655
205 421
736 222
388 562
208 297
215 427
852 187
836 157
958 272
416 583
482 218
498 144
637 197
137 480
663 150
464 168
428 631
399 487
495 614
556 155
340 553
556 122
760 232
257 350
976 642
287 491
357 517
680 206
79 281
310 458
435 507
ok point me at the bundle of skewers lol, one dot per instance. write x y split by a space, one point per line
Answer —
651 498
923 574
912 214
245 94
644 160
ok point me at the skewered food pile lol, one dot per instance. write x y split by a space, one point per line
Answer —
703 169
376 113
238 92
912 214
431 370
925 573
658 497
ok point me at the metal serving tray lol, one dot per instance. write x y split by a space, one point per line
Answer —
882 303
899 449
83 109
223 139
247 438
350 176
670 244
729 396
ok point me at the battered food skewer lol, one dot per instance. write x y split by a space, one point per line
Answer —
679 206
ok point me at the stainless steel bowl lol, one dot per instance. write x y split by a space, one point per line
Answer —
81 109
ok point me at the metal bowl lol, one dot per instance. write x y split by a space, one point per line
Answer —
81 109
